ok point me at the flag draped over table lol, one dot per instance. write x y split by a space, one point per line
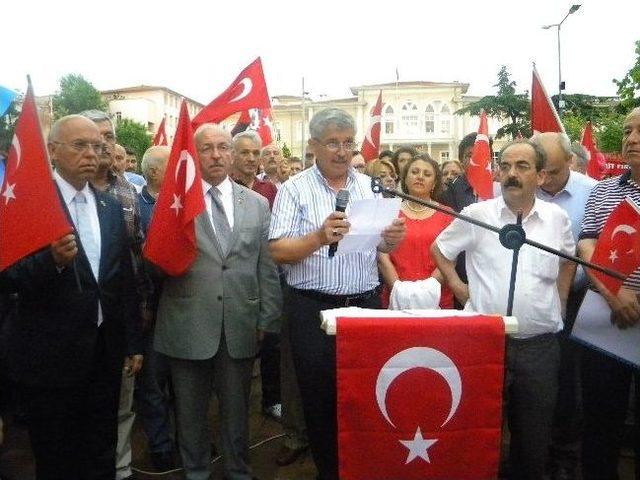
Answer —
31 215
171 241
595 167
479 172
422 401
371 143
248 90
544 117
6 97
618 247
161 134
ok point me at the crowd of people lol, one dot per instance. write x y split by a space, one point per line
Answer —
88 321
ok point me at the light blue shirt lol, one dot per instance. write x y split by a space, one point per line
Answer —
301 206
572 199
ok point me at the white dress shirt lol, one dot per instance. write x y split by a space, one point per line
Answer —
536 300
226 197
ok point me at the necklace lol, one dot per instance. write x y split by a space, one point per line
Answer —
420 209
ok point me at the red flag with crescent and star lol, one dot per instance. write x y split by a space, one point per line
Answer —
422 401
544 117
618 246
595 166
171 240
248 90
161 135
479 172
371 143
257 120
31 215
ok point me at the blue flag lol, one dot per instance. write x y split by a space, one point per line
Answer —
6 97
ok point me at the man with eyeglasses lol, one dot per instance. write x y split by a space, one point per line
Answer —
109 181
212 319
76 307
303 226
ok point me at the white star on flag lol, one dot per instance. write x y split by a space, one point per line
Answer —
8 193
177 204
614 256
418 447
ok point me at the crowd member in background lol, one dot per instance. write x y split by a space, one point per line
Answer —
246 158
309 158
296 165
384 170
451 170
532 355
212 336
119 159
271 156
412 259
580 158
75 318
606 381
131 173
132 161
284 171
304 224
106 180
386 155
401 157
153 381
358 162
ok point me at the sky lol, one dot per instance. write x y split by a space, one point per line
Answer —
198 48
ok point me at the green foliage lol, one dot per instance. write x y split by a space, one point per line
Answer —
629 86
286 151
506 105
608 132
7 126
574 125
133 135
75 95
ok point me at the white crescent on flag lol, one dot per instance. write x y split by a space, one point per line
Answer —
247 85
374 120
15 143
190 169
628 229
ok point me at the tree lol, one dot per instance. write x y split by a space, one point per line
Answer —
75 95
629 86
609 132
506 105
133 135
7 126
286 151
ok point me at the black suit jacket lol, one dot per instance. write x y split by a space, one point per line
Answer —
53 339
459 194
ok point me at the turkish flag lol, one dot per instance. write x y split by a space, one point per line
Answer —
171 241
248 90
479 171
244 122
595 167
423 400
544 117
618 247
371 143
161 135
258 120
31 215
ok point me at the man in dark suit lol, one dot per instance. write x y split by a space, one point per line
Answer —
68 340
211 319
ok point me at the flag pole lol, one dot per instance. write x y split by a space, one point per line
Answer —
303 122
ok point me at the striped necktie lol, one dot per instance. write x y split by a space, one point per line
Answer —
220 221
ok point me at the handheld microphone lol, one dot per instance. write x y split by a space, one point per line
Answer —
342 199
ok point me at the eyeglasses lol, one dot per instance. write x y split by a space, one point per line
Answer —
109 137
350 146
208 148
81 146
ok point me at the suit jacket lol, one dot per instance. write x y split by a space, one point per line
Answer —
52 340
459 194
239 292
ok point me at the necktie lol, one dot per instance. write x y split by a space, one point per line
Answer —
87 237
220 222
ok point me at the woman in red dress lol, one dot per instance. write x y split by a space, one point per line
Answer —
412 260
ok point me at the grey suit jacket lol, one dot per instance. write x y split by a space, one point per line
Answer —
239 292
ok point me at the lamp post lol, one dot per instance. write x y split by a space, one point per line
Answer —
573 9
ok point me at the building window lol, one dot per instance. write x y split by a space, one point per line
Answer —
118 117
445 119
444 157
389 120
410 119
429 119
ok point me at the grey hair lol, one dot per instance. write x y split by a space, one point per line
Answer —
582 154
54 133
97 116
330 116
206 127
152 157
563 141
249 135
540 154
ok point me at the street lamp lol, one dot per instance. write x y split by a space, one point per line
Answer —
573 9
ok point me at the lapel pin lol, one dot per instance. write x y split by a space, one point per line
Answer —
102 203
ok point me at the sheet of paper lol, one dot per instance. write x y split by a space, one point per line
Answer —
368 218
593 326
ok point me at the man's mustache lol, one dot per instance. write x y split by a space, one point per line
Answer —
512 182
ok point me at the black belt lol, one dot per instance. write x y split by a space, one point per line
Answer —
337 300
